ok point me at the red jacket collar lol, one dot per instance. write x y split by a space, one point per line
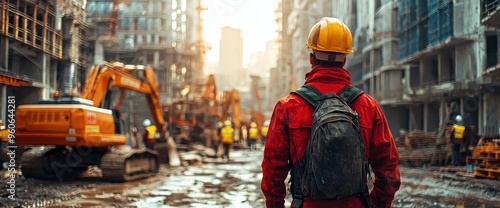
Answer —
328 75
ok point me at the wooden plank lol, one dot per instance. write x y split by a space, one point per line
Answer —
25 29
33 32
44 31
2 17
465 174
487 173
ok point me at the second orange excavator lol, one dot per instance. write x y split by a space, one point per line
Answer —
68 134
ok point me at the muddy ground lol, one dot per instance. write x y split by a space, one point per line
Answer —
214 182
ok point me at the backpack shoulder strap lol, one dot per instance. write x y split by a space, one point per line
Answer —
311 94
349 93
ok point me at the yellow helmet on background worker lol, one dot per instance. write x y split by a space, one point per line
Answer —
227 123
220 124
253 124
330 39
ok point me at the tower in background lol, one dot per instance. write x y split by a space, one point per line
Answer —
230 57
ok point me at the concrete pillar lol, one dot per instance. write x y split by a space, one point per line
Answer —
43 59
98 53
498 47
156 61
482 112
462 112
426 117
4 52
3 105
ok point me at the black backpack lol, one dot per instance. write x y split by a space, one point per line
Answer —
334 165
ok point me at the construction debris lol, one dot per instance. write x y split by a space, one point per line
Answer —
418 148
485 159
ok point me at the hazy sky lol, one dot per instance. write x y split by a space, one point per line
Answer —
254 17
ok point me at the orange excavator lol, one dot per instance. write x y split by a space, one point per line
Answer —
68 134
188 114
232 99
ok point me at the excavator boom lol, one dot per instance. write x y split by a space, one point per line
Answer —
232 99
122 76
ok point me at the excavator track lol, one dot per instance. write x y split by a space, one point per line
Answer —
35 165
127 164
47 162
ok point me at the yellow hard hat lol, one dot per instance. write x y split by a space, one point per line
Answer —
253 124
227 123
220 124
330 35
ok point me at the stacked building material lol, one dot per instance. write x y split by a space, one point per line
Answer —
418 147
485 159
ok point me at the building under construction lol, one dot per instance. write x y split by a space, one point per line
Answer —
414 57
159 33
49 45
41 44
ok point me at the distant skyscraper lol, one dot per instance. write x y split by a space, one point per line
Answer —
231 56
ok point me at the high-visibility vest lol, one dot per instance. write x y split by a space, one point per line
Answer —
264 130
253 132
151 132
458 131
227 135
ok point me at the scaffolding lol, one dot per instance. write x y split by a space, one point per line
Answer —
33 23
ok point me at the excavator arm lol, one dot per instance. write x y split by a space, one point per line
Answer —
102 77
232 99
210 95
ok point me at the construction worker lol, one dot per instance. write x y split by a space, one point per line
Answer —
456 139
330 41
263 132
149 135
227 138
216 143
253 134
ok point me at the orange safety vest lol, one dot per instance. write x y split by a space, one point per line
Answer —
458 131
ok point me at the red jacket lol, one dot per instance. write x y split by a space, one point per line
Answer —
289 131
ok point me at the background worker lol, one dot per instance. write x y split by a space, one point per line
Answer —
218 138
263 132
253 134
149 135
456 139
227 138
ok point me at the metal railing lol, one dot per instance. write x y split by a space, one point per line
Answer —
490 6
